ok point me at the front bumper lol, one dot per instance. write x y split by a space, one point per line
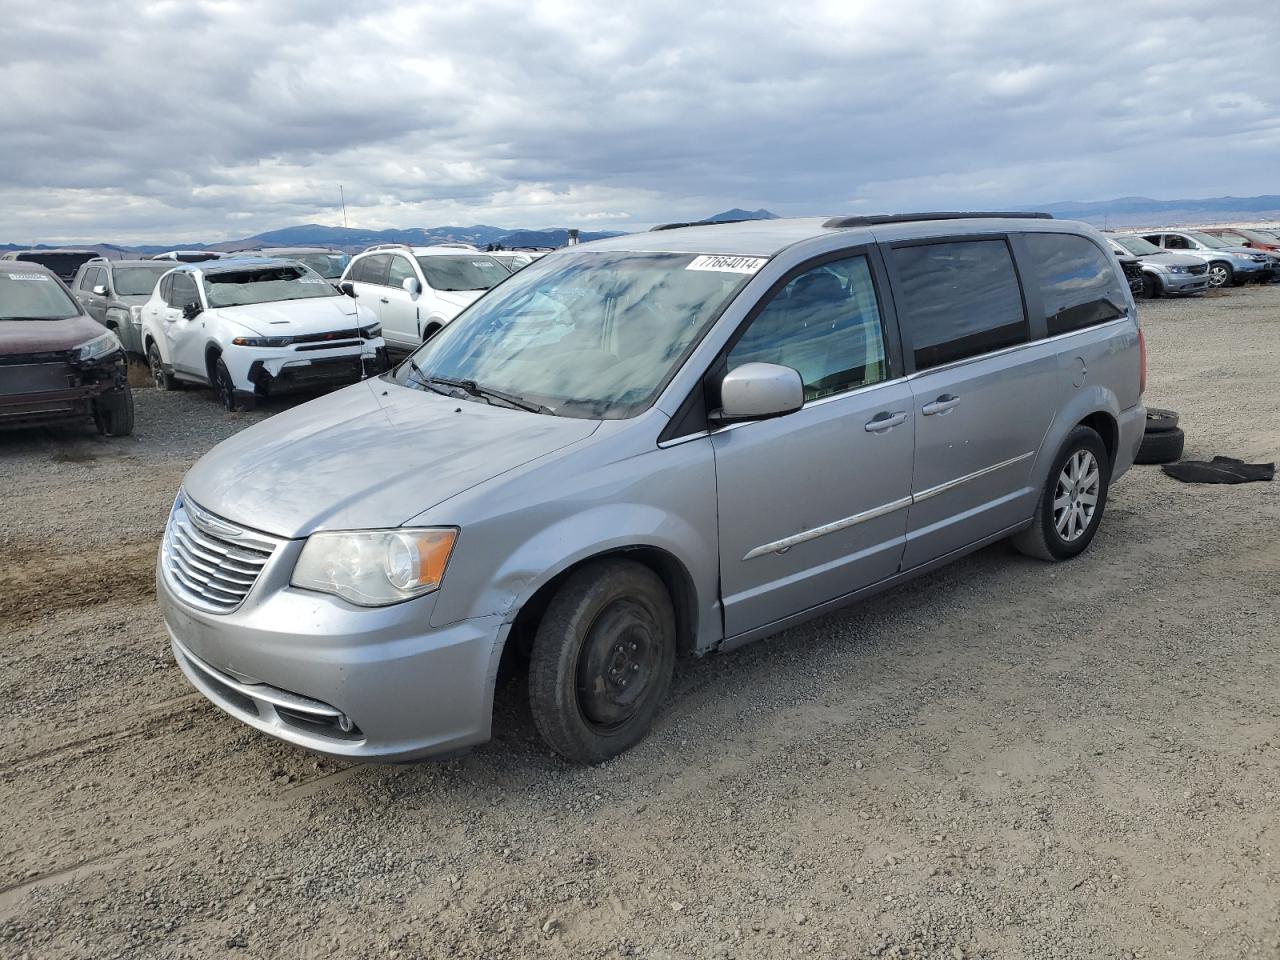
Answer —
303 666
271 370
1175 284
53 388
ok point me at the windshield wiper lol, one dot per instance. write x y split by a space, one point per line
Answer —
487 394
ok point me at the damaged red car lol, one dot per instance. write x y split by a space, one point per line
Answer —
57 364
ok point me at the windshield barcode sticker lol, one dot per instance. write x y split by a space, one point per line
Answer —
728 264
28 276
311 280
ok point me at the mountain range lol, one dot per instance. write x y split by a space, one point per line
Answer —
1120 212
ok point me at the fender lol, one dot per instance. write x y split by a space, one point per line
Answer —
575 538
1084 403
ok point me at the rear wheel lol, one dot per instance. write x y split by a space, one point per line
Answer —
113 412
1071 504
602 660
1221 274
162 380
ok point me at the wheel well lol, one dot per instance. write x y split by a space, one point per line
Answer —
431 330
671 571
1105 426
211 354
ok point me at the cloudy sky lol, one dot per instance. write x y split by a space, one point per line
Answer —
173 121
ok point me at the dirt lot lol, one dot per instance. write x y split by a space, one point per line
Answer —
1006 759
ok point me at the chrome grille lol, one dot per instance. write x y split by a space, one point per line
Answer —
213 562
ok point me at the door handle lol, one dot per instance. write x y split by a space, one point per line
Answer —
884 420
941 405
384 300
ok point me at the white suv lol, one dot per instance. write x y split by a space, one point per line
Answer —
252 327
417 290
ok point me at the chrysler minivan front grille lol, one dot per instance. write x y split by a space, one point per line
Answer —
213 562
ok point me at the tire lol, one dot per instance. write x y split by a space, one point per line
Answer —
224 389
1047 538
1151 287
113 412
1160 420
610 625
1163 447
162 380
1221 275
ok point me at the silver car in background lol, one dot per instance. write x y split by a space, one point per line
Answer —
650 446
113 293
1228 265
1164 273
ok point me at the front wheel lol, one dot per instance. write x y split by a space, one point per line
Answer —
602 660
1221 274
1071 504
225 389
113 412
1150 286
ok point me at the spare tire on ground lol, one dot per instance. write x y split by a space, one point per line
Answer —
1160 420
1164 446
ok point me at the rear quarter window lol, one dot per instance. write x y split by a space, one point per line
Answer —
1079 286
958 299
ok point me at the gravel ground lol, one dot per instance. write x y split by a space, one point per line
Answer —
1004 759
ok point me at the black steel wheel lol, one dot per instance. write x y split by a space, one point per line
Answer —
602 660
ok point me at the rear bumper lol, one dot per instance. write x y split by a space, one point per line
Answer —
1133 423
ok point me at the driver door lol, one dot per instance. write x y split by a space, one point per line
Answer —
813 505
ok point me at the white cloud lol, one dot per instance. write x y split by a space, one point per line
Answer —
185 121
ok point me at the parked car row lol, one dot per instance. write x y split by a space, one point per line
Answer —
1226 264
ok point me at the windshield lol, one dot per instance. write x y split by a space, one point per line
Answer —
32 295
1138 246
592 335
474 271
138 281
1209 241
328 265
238 288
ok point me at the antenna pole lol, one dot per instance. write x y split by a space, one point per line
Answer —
343 197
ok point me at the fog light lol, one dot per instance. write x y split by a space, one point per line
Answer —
345 724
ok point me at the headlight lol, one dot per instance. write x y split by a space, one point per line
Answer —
98 347
1176 269
135 314
262 341
373 568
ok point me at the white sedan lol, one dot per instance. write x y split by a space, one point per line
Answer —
254 327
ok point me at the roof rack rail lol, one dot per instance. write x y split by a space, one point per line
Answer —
698 223
387 246
882 218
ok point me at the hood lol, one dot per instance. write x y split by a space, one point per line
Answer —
40 336
372 455
286 318
458 299
1170 258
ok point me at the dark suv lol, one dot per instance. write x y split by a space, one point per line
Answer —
57 363
63 262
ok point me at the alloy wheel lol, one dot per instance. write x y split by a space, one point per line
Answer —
157 368
1217 275
1075 500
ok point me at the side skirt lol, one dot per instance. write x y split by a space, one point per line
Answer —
795 619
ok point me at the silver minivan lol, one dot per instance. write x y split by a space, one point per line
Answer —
647 447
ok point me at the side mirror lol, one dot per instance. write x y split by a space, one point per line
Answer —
100 290
755 391
349 288
411 286
191 310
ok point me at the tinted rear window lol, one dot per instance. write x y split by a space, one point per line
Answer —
1078 285
64 265
959 299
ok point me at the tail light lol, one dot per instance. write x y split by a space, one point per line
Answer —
1142 363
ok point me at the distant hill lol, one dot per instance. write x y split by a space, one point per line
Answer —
737 213
1144 211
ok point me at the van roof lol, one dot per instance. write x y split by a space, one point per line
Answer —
764 238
